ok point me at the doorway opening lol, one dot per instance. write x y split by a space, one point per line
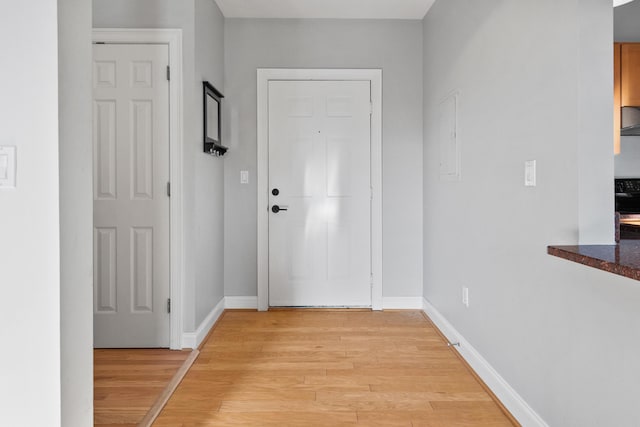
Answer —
172 39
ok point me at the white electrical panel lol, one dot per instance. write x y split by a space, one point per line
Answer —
7 167
448 140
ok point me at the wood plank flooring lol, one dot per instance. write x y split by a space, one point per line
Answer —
127 382
329 368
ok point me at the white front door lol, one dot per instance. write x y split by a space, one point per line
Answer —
131 204
319 171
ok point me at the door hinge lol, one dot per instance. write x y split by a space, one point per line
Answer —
370 108
168 73
168 305
168 189
371 193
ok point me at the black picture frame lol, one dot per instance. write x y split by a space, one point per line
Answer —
212 120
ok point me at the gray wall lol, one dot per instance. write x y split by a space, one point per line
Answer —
625 22
209 185
203 175
30 394
393 46
558 332
76 212
626 29
627 163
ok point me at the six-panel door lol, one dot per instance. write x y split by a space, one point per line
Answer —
131 205
319 165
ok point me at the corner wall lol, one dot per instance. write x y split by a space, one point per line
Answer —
556 331
76 212
209 171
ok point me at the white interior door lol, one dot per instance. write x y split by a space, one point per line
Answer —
319 170
131 204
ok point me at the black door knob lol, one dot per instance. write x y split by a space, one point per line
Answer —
275 191
276 209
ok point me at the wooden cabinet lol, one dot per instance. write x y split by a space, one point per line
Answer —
626 84
630 75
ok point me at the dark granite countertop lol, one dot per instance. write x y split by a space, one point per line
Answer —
622 259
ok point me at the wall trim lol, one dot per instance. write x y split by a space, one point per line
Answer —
194 339
264 75
402 303
249 303
172 38
498 385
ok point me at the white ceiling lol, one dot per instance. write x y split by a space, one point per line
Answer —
340 9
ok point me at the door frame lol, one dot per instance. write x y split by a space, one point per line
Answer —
173 39
268 74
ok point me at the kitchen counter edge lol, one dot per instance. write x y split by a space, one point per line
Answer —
622 259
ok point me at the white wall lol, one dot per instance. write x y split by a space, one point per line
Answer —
76 212
29 217
202 180
626 29
557 331
393 46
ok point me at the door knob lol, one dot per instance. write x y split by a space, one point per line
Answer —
276 208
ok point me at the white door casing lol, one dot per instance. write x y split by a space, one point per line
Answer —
172 38
319 163
374 80
131 204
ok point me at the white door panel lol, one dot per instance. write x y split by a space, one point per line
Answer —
319 160
131 207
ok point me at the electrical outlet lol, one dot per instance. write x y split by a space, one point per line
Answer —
465 296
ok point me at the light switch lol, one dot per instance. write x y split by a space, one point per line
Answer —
530 173
4 166
244 177
7 167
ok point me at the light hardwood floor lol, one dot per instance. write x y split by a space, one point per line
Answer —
127 382
329 368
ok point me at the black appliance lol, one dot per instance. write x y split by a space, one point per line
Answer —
628 206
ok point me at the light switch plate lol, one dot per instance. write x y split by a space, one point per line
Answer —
7 167
530 173
244 177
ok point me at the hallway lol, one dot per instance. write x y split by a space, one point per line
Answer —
329 367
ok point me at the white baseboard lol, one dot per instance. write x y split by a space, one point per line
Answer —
241 302
402 303
507 395
194 339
